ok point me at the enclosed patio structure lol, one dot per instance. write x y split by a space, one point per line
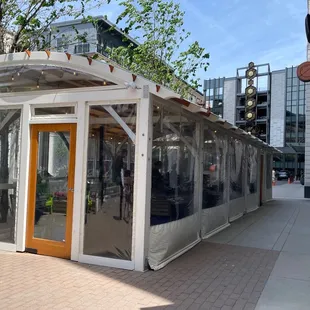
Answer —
104 167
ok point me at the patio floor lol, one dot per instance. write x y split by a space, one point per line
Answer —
210 276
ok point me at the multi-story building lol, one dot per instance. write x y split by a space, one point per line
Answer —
80 37
280 110
307 134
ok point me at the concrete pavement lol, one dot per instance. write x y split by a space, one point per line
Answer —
288 287
262 262
210 276
281 225
264 228
283 190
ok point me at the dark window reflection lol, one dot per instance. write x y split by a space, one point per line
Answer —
236 153
110 175
9 165
252 169
214 172
173 171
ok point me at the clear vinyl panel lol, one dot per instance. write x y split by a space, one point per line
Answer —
175 222
236 154
10 130
110 176
52 185
214 168
173 171
252 169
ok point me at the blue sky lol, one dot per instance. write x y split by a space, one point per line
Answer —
236 32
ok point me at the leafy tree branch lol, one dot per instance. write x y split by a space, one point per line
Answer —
23 24
163 55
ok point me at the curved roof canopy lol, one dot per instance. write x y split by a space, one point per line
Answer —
45 77
53 70
37 71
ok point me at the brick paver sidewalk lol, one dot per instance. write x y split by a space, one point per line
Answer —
210 276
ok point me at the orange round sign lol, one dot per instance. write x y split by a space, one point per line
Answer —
303 71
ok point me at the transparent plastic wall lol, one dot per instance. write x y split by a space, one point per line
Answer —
237 178
175 200
202 179
252 178
109 195
215 185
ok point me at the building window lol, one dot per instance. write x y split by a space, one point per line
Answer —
214 95
295 108
62 45
81 48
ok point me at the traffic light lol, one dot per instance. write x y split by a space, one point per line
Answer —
308 27
250 97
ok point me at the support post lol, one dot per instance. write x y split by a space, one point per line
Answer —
142 204
23 179
80 178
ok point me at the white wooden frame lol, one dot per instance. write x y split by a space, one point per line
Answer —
23 180
79 215
54 116
142 206
81 118
12 247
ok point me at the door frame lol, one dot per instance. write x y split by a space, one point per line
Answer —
83 133
43 246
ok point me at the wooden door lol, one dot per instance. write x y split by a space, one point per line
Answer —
51 189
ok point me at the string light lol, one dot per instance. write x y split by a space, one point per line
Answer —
42 72
18 73
38 85
104 83
74 73
13 78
